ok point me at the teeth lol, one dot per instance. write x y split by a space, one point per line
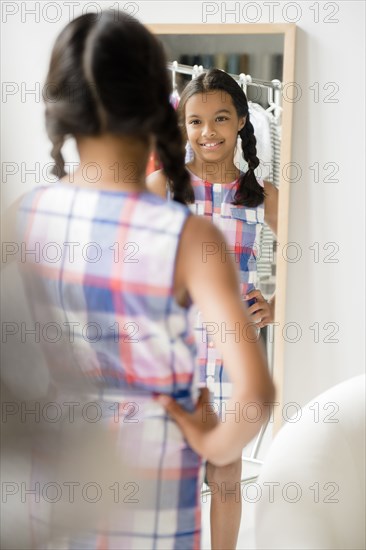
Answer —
211 144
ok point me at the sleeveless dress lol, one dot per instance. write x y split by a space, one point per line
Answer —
241 226
100 276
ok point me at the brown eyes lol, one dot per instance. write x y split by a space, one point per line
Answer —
219 119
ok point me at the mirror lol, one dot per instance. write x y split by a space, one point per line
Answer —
261 57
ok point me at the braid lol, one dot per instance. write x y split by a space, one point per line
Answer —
70 109
59 166
249 192
248 144
171 151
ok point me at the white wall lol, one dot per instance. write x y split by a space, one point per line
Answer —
327 52
328 212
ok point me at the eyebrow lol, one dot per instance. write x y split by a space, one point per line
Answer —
217 112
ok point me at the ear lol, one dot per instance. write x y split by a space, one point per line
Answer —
241 123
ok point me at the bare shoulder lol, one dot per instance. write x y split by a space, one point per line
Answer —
200 230
271 205
271 192
203 246
269 187
156 183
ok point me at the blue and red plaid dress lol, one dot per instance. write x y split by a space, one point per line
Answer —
102 271
241 227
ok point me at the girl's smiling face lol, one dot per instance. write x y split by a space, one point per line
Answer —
212 125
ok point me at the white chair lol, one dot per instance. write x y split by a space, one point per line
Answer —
312 483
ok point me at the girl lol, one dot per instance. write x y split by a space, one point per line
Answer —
125 278
213 111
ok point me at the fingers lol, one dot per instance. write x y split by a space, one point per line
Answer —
204 395
208 414
173 409
262 310
187 420
254 294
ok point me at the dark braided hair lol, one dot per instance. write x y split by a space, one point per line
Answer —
250 192
108 74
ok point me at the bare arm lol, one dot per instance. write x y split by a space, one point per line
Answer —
271 206
211 280
271 219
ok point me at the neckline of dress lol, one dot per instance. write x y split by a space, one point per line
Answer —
107 191
211 183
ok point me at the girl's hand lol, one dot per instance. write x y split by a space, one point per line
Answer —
262 312
193 425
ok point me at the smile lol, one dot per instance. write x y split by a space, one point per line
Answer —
212 145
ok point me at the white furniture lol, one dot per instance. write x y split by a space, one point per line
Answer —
311 489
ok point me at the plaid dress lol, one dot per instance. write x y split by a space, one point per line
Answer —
242 227
100 276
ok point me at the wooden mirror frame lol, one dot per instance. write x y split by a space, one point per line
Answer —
288 30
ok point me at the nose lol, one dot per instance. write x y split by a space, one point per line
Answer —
208 130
